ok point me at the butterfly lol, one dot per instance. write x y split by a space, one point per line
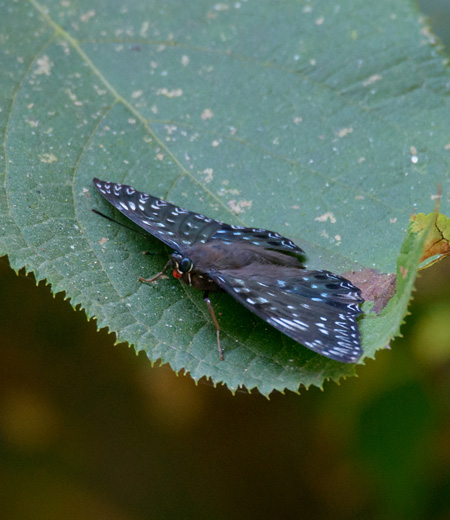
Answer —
261 269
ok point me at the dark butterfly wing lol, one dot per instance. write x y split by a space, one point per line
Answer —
176 227
179 228
258 237
316 308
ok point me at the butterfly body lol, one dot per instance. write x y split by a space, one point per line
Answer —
259 268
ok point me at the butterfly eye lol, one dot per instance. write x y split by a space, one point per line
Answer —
185 265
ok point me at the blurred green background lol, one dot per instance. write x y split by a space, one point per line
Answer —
90 430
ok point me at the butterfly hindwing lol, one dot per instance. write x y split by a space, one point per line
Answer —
259 237
316 308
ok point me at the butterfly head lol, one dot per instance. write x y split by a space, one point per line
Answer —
181 265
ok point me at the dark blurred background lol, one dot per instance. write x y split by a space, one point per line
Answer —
90 430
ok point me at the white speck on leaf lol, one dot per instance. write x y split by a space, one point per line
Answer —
326 216
344 131
48 158
372 79
44 66
73 98
100 91
144 28
87 16
207 114
239 206
176 92
208 173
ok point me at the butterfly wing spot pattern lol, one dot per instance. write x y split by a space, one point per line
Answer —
261 269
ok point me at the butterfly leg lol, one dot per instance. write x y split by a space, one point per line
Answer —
216 324
154 278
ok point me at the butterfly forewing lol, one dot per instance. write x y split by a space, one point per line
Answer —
316 308
180 228
176 227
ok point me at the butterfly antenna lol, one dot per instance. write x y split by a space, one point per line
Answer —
127 227
119 223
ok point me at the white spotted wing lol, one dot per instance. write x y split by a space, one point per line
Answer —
180 228
316 308
260 268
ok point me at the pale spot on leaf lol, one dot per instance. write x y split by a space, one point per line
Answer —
44 66
73 98
87 16
371 79
326 216
414 157
344 131
100 91
239 206
207 114
144 28
208 173
48 158
176 92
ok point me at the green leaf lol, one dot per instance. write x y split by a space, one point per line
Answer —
327 123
